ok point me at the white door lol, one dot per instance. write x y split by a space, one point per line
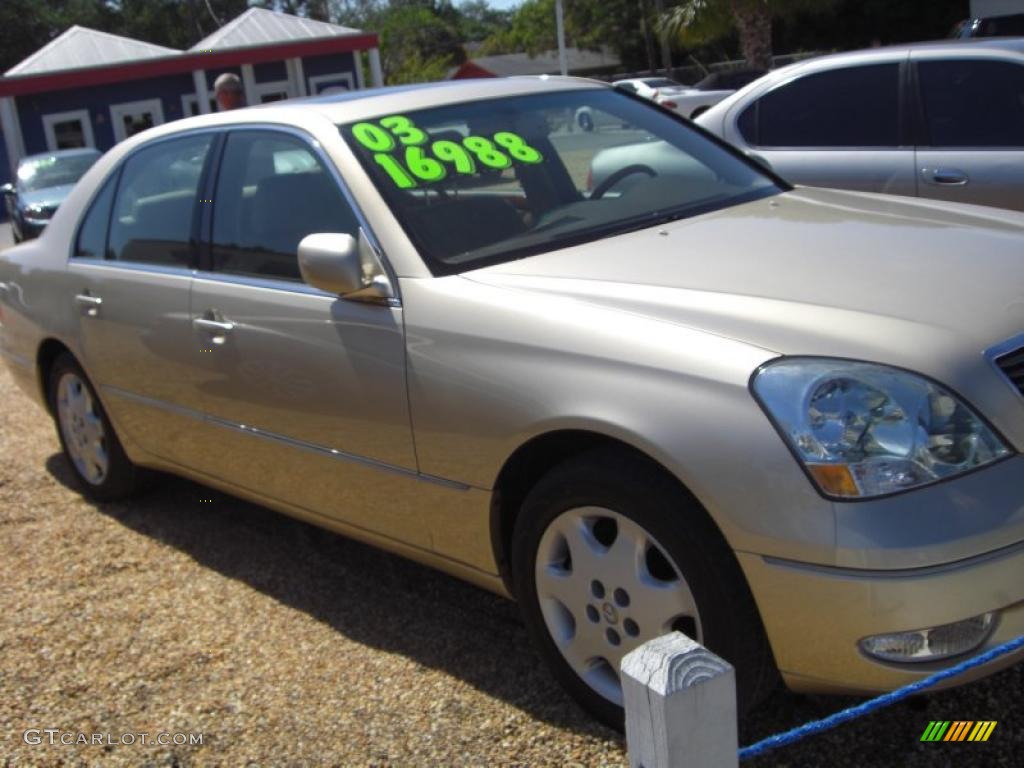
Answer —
135 116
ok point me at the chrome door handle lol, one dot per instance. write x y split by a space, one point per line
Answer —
216 327
953 177
91 304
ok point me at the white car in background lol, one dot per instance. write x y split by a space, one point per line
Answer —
690 100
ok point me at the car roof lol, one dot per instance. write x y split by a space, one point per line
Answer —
964 46
355 105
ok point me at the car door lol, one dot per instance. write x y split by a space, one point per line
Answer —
972 137
840 128
130 276
307 387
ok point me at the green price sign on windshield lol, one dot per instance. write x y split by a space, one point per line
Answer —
407 154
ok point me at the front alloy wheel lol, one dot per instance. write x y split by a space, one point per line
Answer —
605 586
609 551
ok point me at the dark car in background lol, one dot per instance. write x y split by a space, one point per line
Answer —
41 184
1011 25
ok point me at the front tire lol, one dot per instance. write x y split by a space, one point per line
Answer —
91 446
609 552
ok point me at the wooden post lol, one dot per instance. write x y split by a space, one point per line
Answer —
680 704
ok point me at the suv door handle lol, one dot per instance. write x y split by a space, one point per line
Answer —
946 176
216 327
91 304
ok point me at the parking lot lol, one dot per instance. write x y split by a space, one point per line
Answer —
188 611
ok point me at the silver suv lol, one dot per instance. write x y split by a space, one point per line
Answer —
938 120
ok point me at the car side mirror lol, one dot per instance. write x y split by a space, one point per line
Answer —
336 262
7 189
760 160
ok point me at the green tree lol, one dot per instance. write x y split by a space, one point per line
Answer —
622 26
417 43
530 30
479 21
696 22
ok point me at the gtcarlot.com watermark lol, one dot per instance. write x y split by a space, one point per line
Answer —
56 737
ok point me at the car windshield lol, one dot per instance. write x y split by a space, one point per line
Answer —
483 182
54 171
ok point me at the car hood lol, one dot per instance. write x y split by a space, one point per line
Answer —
49 196
811 272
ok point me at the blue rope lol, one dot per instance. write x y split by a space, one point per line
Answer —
817 726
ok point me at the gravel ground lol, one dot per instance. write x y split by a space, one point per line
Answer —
189 611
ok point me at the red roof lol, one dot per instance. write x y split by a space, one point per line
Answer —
469 69
184 62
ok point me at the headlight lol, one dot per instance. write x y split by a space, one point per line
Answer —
39 212
866 430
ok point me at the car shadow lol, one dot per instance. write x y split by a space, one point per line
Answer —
369 596
392 604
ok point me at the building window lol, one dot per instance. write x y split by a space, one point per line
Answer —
68 130
334 83
135 116
278 90
190 105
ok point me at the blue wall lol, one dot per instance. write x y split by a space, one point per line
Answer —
169 89
98 101
269 71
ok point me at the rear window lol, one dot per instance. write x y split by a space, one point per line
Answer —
489 181
850 107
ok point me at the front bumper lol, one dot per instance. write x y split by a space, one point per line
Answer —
29 228
815 616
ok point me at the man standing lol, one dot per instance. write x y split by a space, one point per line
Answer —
227 90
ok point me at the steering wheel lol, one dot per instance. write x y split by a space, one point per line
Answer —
618 176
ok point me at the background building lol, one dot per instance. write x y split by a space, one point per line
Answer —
92 89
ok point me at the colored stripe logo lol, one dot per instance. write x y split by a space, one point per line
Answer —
958 730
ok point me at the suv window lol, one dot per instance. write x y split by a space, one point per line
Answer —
272 191
152 221
92 235
850 107
973 103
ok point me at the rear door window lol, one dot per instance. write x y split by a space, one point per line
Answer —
156 200
92 235
850 107
972 103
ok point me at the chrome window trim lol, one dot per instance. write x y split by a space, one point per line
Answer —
269 283
248 429
996 351
132 266
317 149
290 286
